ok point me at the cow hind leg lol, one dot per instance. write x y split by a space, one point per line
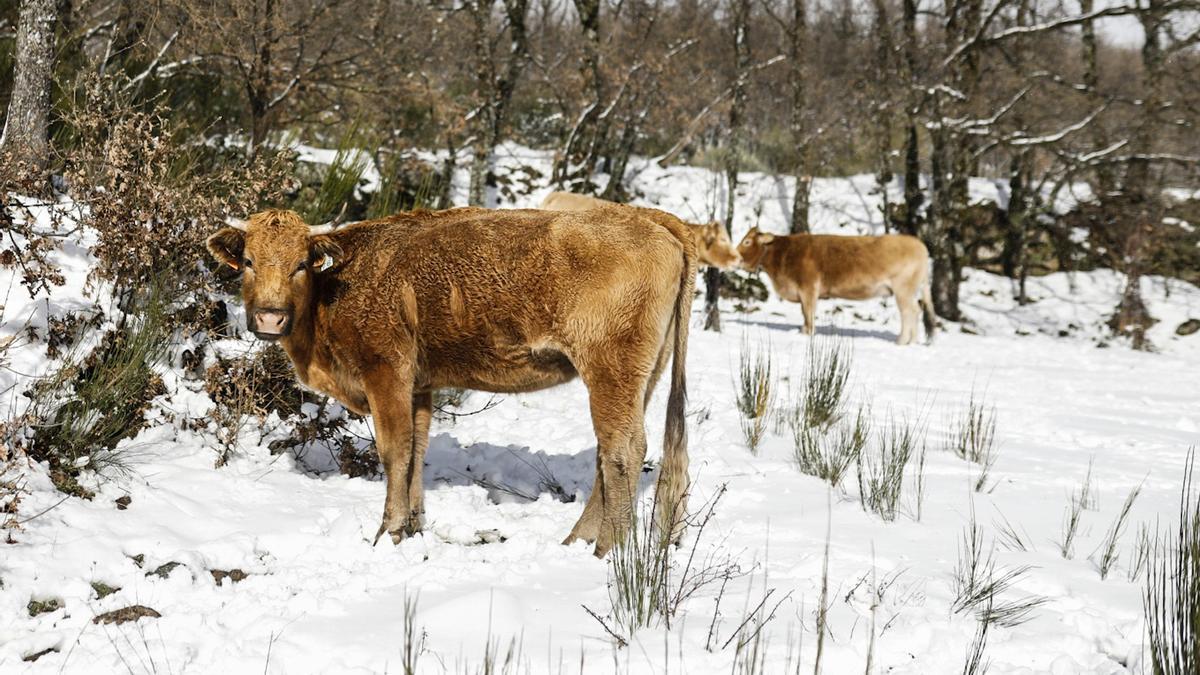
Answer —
907 304
422 415
617 398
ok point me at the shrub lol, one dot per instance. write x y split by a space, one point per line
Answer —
152 198
1171 597
828 455
338 182
78 414
825 380
755 392
649 580
979 584
974 438
881 472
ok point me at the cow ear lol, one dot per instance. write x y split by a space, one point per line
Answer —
765 237
324 253
227 245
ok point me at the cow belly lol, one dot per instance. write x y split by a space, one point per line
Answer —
858 292
514 371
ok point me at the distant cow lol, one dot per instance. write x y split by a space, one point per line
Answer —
379 314
712 241
806 267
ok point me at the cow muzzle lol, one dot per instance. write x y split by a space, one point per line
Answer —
271 324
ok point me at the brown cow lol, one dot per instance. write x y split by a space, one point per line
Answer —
712 241
381 313
806 267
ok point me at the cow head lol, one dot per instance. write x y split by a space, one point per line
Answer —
716 248
752 247
278 255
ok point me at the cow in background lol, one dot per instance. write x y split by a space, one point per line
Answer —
806 267
713 244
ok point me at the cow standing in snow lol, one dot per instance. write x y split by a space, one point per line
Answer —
379 314
713 244
806 267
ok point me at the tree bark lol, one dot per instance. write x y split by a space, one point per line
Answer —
913 197
797 43
883 58
26 136
1013 255
741 55
943 282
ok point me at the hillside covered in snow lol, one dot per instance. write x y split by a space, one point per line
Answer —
253 554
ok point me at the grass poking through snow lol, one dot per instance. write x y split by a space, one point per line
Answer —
1108 548
881 470
979 584
1172 589
1080 500
829 454
973 438
755 392
825 378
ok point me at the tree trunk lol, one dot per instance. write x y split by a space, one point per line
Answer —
1141 188
258 80
741 55
913 197
883 57
1012 257
941 218
798 40
26 135
583 140
1105 181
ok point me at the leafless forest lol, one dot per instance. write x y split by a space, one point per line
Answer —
189 104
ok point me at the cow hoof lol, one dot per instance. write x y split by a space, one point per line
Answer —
415 524
397 535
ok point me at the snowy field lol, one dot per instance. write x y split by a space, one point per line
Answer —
317 597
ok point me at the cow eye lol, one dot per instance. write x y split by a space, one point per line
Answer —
301 267
246 262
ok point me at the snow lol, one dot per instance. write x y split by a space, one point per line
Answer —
318 597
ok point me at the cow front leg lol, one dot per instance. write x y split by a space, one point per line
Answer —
389 392
808 305
422 415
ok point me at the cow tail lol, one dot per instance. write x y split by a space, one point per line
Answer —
673 481
927 307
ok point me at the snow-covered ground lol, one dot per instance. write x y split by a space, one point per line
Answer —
317 597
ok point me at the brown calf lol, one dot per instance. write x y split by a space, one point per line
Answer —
381 313
713 244
806 267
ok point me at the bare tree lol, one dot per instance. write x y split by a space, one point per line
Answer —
494 84
794 26
739 29
275 49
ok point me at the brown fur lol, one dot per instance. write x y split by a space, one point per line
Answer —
712 241
501 301
806 267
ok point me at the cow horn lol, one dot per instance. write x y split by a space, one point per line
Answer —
331 225
236 223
